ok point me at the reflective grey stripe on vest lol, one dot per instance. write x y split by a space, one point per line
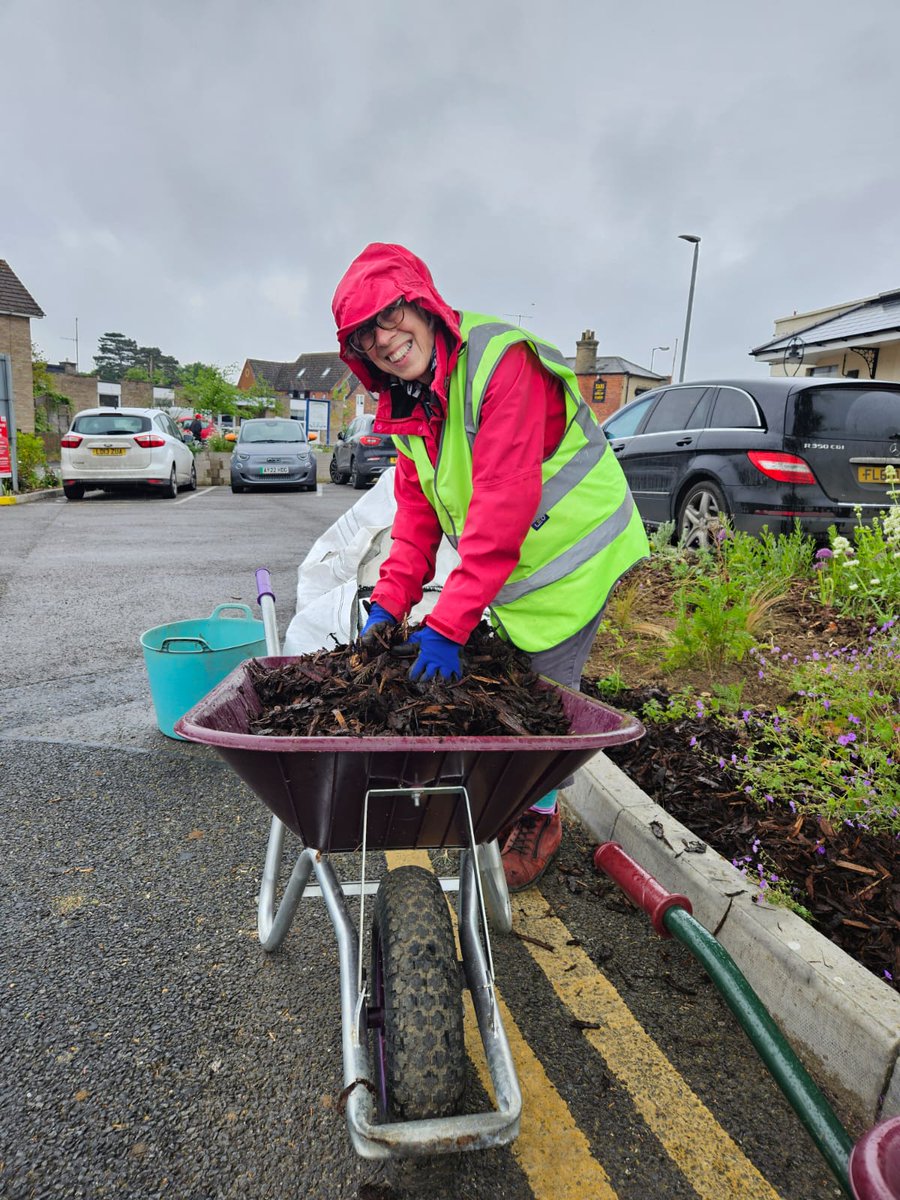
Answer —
476 346
579 465
598 539
404 442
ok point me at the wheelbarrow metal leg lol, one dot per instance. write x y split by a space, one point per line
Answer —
273 925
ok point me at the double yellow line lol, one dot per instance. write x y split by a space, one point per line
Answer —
551 1149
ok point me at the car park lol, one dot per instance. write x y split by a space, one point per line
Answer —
759 453
272 452
361 455
120 449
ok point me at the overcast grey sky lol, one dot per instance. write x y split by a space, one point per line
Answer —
197 174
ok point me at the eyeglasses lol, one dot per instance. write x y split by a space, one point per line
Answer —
362 340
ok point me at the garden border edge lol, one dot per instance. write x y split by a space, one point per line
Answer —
841 1020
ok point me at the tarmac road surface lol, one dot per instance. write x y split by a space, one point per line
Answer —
150 1048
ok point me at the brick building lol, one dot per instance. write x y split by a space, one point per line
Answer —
316 389
17 308
608 381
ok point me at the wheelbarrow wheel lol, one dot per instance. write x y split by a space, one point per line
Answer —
416 1016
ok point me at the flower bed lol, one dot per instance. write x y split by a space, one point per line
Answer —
768 676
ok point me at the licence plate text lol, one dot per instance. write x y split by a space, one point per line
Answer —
274 470
870 475
107 450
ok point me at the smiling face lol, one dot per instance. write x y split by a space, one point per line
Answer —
405 351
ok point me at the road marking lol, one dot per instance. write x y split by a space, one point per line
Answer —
551 1149
193 495
709 1158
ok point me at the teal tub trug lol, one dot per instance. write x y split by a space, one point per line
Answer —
186 659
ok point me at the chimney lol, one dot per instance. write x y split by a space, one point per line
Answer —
586 354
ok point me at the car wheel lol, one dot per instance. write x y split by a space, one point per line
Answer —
192 482
336 475
170 490
702 515
73 491
357 480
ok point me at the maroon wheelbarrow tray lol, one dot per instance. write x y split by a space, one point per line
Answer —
358 794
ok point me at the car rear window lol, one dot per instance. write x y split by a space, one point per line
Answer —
869 413
734 410
104 424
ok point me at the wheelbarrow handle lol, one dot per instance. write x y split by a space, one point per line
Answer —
266 601
263 584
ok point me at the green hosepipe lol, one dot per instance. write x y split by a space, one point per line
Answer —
832 1140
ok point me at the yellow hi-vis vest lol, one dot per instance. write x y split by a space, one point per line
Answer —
587 531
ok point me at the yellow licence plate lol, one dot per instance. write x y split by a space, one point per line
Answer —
870 475
393 459
108 450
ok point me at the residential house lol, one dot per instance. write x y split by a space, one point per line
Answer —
316 389
17 307
607 382
859 339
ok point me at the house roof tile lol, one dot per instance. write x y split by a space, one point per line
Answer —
15 299
880 315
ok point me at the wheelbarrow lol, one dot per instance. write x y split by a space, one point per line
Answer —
402 1020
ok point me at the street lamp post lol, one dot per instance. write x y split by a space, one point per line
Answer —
689 237
652 352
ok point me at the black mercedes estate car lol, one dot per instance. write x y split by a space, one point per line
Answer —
765 452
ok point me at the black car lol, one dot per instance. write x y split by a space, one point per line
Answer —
361 455
759 453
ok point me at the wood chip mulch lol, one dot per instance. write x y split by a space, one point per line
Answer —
848 879
355 692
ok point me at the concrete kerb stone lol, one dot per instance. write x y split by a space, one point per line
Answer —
28 497
841 1020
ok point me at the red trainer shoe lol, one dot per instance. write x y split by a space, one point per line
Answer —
530 848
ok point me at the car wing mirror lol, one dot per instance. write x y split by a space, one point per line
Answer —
340 436
312 437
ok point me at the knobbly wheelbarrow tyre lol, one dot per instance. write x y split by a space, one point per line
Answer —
418 1044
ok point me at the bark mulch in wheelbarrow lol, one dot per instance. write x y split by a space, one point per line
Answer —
848 879
354 692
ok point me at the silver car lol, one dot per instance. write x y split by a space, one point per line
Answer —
272 452
119 449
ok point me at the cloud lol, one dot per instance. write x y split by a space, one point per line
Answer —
199 174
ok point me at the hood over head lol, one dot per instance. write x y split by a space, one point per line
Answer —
380 275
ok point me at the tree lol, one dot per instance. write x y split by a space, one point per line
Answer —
115 354
208 389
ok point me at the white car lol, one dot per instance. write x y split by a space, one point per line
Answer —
125 448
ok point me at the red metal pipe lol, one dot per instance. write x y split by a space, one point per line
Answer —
646 892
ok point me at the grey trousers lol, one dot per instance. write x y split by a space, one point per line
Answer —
564 662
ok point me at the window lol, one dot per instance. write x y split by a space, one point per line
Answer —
734 410
627 419
678 408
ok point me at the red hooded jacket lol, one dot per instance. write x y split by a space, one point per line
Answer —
522 420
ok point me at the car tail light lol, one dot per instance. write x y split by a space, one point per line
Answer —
149 440
783 468
370 441
71 441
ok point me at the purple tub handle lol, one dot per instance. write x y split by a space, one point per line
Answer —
263 584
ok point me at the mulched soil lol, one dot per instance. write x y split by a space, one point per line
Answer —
847 879
358 691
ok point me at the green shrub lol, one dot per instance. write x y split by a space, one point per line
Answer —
31 459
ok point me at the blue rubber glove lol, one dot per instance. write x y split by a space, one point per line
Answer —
437 656
379 622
